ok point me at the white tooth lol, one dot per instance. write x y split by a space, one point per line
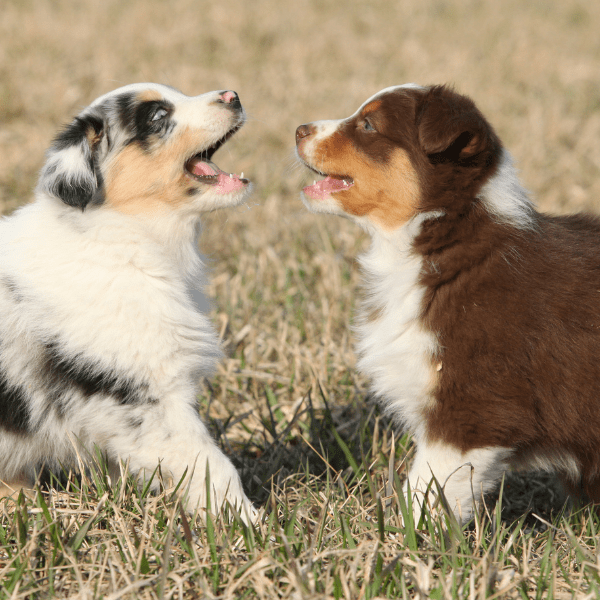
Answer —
314 182
242 175
230 175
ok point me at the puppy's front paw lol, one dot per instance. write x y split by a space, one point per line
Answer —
220 476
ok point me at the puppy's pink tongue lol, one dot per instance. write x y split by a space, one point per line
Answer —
202 169
222 182
229 184
322 189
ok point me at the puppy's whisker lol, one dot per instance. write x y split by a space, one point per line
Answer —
115 373
465 329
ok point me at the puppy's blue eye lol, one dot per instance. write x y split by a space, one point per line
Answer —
367 126
160 113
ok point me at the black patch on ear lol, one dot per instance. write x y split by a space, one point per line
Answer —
76 178
88 127
14 408
76 193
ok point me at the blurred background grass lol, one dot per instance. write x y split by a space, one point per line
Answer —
284 282
533 67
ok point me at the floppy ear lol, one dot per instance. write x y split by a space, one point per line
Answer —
71 172
451 127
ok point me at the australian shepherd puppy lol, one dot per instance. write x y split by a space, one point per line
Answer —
101 343
480 329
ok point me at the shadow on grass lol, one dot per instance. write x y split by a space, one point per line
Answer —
306 444
323 441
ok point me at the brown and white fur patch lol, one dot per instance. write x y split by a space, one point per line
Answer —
480 329
101 343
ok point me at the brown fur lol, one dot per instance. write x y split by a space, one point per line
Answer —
518 316
140 181
381 202
389 201
149 95
515 309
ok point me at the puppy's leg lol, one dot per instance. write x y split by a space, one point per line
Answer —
463 476
178 440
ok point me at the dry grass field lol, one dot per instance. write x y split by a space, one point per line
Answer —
287 403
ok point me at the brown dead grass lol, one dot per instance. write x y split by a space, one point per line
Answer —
284 282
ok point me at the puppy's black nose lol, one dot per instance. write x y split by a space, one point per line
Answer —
231 99
303 131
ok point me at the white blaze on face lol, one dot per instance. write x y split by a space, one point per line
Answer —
173 169
321 190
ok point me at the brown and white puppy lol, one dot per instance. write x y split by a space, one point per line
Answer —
101 342
480 329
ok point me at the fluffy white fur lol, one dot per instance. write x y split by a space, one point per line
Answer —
396 354
100 340
505 197
394 350
464 477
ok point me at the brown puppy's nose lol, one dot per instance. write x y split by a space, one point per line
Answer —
303 131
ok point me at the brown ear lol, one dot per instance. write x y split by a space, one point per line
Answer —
450 126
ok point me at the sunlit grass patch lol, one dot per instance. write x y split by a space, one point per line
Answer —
287 404
327 532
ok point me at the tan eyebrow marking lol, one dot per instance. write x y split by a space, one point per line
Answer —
148 95
139 182
371 107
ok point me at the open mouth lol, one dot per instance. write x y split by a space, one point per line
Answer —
201 168
331 184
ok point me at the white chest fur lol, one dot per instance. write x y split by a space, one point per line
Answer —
394 350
